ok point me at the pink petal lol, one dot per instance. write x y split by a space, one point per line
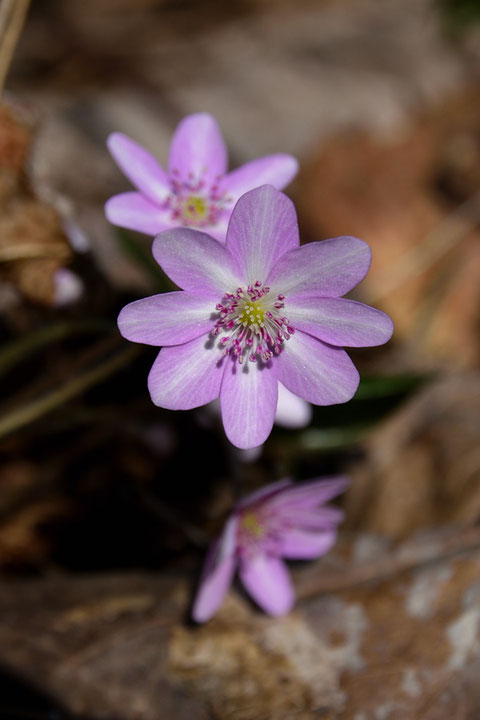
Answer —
277 170
340 322
320 518
186 376
267 580
262 228
326 268
316 372
292 411
140 167
219 230
167 319
197 263
248 399
217 574
212 590
301 544
307 496
263 493
133 211
198 149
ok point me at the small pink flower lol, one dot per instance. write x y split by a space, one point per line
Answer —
292 411
197 191
280 520
68 287
256 313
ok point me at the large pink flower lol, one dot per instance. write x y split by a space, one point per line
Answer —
196 191
252 314
281 520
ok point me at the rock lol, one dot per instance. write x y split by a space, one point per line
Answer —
392 636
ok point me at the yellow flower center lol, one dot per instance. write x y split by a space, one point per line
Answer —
252 326
195 208
251 525
252 314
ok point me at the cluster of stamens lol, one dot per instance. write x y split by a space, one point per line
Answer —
193 203
253 324
251 526
257 530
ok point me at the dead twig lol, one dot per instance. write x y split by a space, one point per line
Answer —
12 18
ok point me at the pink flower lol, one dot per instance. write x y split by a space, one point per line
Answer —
292 411
68 287
280 520
197 191
254 313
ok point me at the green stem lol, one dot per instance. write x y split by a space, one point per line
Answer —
18 350
34 410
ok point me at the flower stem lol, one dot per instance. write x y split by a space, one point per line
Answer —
31 411
18 350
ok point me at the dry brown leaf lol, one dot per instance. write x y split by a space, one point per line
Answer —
33 245
423 464
416 200
22 542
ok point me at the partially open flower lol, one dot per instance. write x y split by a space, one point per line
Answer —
255 313
197 191
281 520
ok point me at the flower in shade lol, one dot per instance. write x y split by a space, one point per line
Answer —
197 191
282 520
292 411
68 287
254 313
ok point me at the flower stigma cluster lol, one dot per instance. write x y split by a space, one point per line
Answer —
252 527
193 203
257 531
256 329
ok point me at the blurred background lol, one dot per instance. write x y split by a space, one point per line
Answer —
107 503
